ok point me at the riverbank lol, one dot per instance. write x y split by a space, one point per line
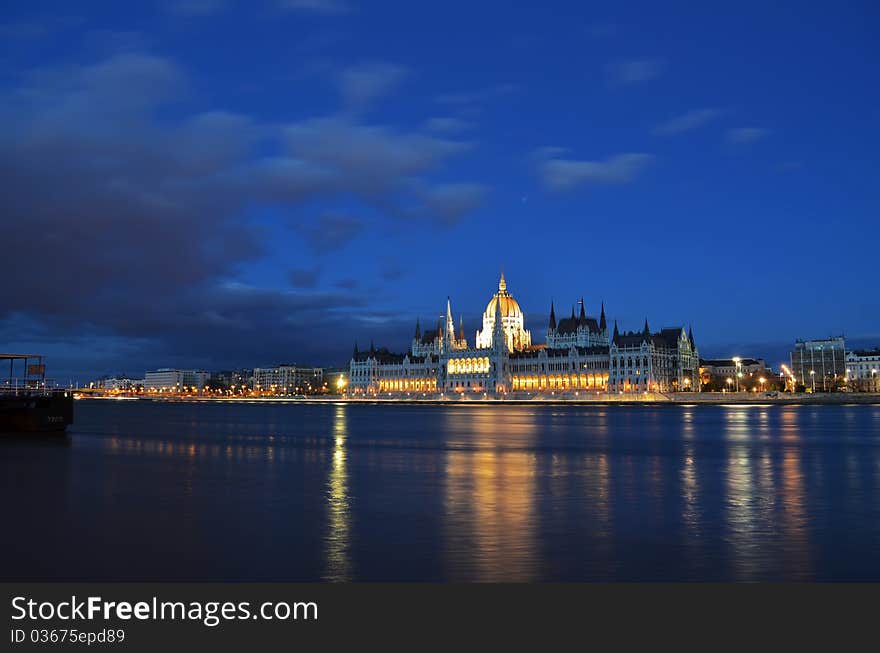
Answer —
689 398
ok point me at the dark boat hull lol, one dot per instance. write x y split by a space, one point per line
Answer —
35 413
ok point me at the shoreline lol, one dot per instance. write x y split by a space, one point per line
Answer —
695 399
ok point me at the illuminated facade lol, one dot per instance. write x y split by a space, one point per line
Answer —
580 355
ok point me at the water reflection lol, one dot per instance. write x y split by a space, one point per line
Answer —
490 517
337 541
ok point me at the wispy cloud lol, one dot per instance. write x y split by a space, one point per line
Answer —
197 7
634 71
304 278
366 82
478 96
447 125
317 6
332 231
746 135
567 174
688 121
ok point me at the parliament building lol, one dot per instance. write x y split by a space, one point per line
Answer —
580 355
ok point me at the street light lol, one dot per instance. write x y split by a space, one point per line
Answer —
813 379
762 381
736 362
729 383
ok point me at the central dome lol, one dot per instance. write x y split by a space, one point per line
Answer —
509 306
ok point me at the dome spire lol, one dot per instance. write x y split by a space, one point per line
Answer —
502 284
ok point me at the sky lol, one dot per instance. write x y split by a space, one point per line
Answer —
222 184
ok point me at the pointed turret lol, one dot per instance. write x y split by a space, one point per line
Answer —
450 324
355 354
691 336
418 330
583 315
552 317
646 330
616 332
572 312
461 328
602 323
498 339
372 347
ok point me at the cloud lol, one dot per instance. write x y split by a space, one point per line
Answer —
451 202
746 135
304 277
198 7
347 284
363 84
688 121
634 71
390 270
447 125
367 159
317 6
478 96
146 224
332 231
567 174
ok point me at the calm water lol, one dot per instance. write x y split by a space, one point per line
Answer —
161 491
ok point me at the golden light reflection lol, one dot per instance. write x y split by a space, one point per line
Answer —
337 542
490 516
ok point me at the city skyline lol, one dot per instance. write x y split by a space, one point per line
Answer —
175 202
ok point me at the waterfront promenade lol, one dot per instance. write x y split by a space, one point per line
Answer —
689 398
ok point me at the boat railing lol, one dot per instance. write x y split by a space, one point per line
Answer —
8 389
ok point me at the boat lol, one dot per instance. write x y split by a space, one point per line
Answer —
30 403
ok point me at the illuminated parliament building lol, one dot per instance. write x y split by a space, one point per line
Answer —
580 354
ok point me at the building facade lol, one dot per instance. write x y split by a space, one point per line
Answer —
579 355
863 370
819 364
288 379
170 380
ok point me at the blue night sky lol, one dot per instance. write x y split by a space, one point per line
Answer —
219 184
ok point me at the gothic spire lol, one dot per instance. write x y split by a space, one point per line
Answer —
552 317
602 323
418 330
583 315
461 327
372 347
647 331
498 339
616 332
572 312
355 355
691 336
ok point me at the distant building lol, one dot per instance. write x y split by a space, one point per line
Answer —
119 384
172 380
819 364
232 380
863 369
738 373
288 379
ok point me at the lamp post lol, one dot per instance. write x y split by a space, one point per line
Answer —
762 381
813 379
729 383
736 361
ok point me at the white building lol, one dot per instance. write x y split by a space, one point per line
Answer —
863 369
579 355
171 380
